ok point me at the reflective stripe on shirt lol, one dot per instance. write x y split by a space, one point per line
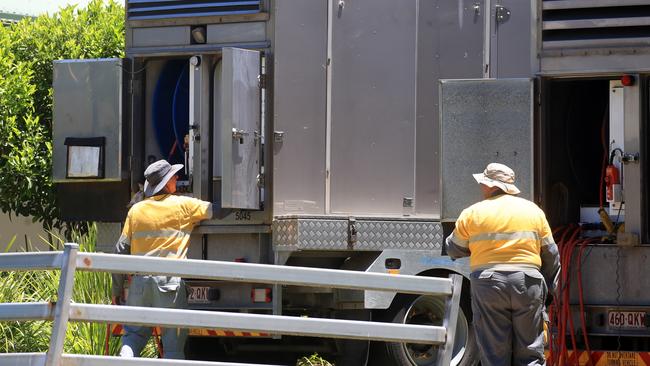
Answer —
548 241
518 235
162 253
458 241
166 234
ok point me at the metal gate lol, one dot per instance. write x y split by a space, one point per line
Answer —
70 260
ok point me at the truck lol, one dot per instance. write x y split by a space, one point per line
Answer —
342 134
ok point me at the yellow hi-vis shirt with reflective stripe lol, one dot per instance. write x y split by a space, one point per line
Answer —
161 225
501 231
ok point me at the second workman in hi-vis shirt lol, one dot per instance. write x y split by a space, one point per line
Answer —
514 262
158 226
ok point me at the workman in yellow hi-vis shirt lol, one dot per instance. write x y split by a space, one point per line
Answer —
514 262
158 226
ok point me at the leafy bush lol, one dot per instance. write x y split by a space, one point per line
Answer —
27 50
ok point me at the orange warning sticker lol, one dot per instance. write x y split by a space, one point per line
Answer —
610 358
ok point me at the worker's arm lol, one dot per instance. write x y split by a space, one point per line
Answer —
550 257
196 210
457 244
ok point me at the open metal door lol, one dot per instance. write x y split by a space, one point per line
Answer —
483 121
90 150
240 128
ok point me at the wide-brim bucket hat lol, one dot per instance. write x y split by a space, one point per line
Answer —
498 175
157 175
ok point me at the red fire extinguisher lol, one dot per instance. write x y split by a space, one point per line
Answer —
612 177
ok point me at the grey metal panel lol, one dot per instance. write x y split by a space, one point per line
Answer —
373 106
236 32
372 235
414 262
200 75
585 44
240 111
88 103
450 45
299 106
160 36
484 121
515 45
573 4
632 181
598 61
191 50
230 247
608 269
595 23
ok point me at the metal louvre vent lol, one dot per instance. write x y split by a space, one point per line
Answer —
162 9
595 23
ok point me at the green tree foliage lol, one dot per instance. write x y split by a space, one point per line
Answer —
27 50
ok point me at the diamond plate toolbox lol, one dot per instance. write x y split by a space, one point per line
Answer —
314 233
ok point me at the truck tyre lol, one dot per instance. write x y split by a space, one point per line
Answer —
413 309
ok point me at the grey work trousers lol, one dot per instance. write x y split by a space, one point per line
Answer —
508 316
160 292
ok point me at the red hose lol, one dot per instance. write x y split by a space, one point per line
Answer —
583 245
564 321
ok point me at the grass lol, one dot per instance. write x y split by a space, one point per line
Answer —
35 286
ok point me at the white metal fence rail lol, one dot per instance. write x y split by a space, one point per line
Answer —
64 311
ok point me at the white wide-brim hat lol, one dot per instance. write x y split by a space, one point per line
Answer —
157 175
498 175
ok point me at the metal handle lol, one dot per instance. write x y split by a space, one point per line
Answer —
238 134
502 14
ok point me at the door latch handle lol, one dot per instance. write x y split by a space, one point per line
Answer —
238 134
502 14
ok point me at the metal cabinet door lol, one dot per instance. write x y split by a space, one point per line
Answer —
514 39
240 128
373 106
483 121
89 103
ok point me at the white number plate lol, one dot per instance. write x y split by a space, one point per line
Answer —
626 319
198 294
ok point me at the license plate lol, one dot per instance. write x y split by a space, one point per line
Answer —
198 294
626 319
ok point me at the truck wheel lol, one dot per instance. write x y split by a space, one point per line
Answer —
429 310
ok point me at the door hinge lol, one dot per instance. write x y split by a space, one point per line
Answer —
261 81
260 180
